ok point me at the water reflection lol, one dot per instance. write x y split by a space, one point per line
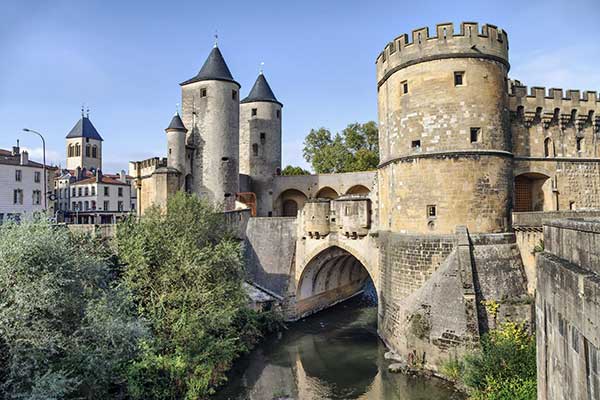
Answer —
335 354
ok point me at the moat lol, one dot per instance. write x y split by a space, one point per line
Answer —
335 354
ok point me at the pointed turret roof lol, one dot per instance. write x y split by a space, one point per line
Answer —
261 91
214 69
176 124
84 128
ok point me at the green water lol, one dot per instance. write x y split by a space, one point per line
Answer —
334 354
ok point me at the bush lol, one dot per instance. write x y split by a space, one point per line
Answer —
505 368
66 330
185 272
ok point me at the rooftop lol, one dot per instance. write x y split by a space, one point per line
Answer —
84 128
261 91
214 69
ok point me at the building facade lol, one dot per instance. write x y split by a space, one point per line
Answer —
22 182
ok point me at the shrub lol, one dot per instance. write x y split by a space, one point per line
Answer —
185 272
66 330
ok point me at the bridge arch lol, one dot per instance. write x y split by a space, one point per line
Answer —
358 190
327 192
333 273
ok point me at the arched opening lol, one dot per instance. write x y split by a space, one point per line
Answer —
533 192
332 276
327 193
290 208
358 190
290 202
188 183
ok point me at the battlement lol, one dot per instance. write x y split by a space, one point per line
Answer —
489 42
536 104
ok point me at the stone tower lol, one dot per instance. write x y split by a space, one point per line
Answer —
211 112
444 131
84 146
260 142
176 156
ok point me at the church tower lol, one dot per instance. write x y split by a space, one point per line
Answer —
260 142
210 108
84 145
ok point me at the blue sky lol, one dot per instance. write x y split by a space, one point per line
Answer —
125 59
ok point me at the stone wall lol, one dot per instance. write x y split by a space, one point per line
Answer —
269 252
568 311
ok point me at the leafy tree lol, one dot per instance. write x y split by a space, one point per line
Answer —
185 272
356 148
66 330
290 170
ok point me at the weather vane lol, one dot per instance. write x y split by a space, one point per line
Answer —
216 38
260 71
176 108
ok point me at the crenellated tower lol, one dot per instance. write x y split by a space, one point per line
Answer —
444 131
211 111
260 142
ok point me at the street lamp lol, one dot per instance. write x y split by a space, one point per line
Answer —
43 166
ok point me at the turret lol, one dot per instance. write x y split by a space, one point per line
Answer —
84 145
444 131
260 142
176 157
211 113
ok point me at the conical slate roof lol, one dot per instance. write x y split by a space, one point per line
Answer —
214 69
176 124
84 128
261 91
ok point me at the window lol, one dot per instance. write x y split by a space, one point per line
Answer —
18 196
74 193
431 211
70 152
95 152
415 144
255 149
579 144
475 135
120 206
234 95
278 113
79 192
106 206
120 192
77 150
87 205
571 205
87 191
37 197
18 175
88 150
203 92
93 205
404 87
263 138
80 206
106 190
37 177
459 78
93 190
548 148
254 111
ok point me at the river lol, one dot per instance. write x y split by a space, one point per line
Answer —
335 354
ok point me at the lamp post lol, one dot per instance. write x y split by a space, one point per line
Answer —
43 166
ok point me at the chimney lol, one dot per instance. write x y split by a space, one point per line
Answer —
24 157
78 173
16 149
122 176
98 175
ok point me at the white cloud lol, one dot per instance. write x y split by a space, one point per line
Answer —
37 154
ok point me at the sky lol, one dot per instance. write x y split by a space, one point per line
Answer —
125 59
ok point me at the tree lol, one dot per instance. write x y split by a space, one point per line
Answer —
356 148
66 329
290 171
185 273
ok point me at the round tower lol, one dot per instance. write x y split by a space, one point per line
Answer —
260 142
176 156
444 135
211 111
